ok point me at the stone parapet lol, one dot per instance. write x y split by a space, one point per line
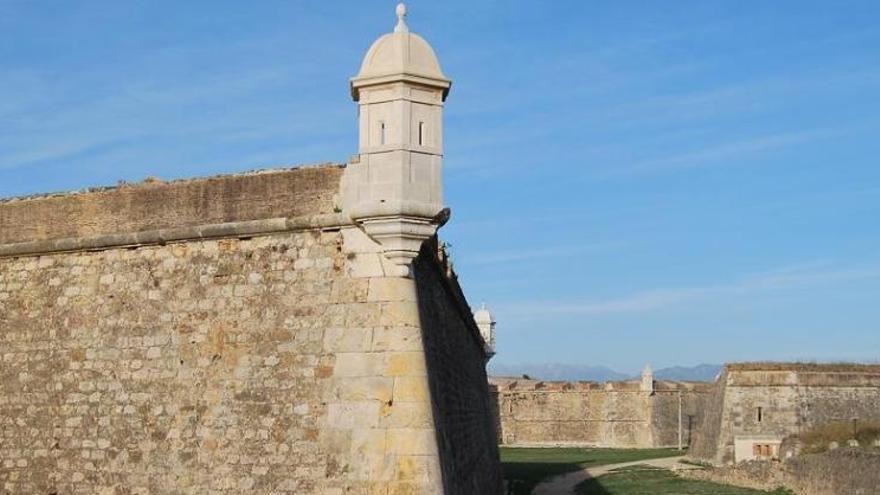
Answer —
762 378
175 234
575 386
153 212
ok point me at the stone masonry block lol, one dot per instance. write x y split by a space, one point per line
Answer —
407 488
348 339
411 389
355 240
368 450
366 265
396 314
392 289
364 388
397 339
411 441
363 315
350 364
406 415
406 364
419 469
352 415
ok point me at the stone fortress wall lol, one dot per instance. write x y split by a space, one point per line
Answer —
291 331
744 415
230 335
754 406
623 414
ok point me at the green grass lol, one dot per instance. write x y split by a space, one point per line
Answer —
645 480
526 467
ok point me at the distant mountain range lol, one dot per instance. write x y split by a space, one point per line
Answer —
557 371
698 373
570 372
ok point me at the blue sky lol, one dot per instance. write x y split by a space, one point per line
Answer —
631 182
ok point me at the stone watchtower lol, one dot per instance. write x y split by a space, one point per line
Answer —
647 383
394 191
486 323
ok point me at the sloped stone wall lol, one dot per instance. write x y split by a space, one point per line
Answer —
706 438
284 363
156 351
465 428
665 413
790 398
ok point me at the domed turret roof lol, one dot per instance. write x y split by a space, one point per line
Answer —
483 316
400 55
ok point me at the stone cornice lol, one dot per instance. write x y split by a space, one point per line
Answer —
248 228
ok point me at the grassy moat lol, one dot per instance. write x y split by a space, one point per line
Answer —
525 468
645 480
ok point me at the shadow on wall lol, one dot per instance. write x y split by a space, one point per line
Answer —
456 369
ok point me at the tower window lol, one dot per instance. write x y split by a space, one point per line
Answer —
760 414
382 133
421 133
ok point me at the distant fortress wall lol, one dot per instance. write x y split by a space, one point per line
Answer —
754 406
615 414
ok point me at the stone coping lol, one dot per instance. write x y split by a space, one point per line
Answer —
180 234
508 384
155 211
804 367
155 181
802 379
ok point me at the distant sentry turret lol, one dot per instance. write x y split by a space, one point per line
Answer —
486 324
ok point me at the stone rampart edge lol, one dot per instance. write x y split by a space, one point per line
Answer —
453 289
176 234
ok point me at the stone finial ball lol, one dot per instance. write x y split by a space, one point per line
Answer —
401 9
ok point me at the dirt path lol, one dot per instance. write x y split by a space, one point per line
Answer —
564 484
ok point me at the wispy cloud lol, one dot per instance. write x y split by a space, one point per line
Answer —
752 95
142 111
543 217
724 151
529 254
663 298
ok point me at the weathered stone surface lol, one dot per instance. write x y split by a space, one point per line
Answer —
614 414
791 397
454 361
159 205
227 366
153 368
241 334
